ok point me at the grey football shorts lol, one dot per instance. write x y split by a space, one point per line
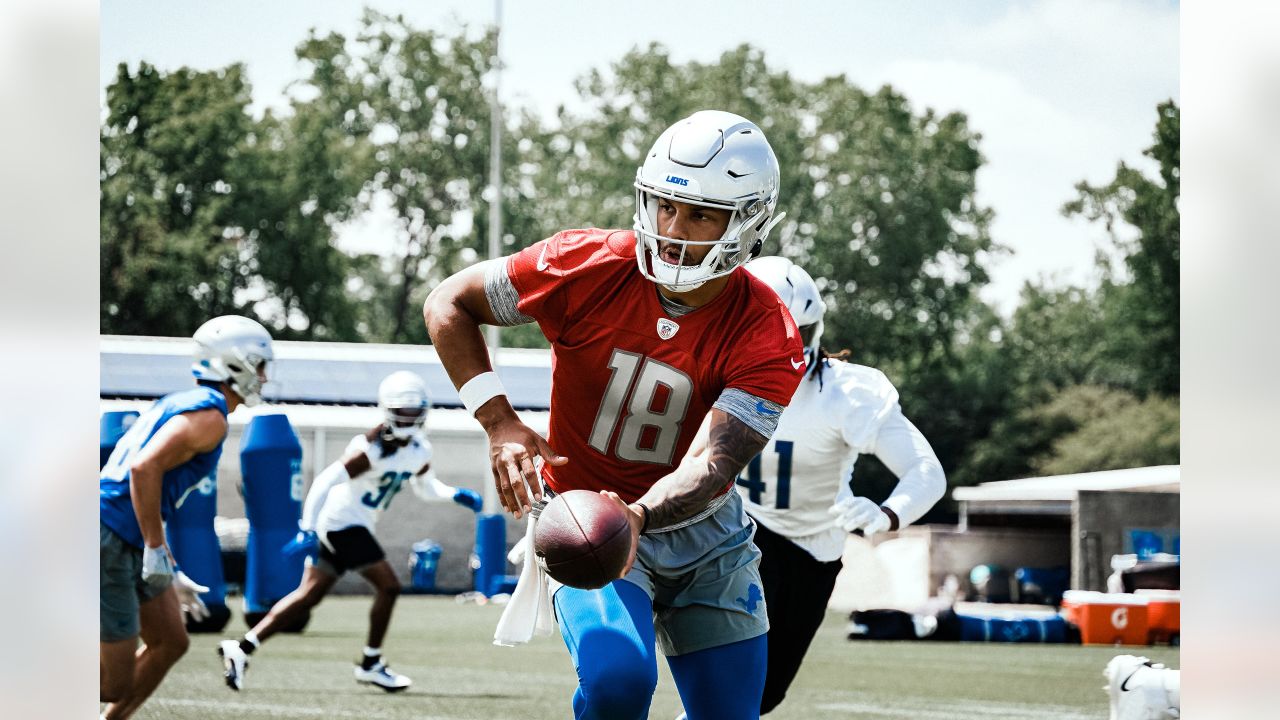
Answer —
704 581
120 588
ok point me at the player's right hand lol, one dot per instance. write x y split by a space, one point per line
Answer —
859 514
189 592
513 447
304 543
157 567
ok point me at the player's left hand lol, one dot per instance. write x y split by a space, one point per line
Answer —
304 544
858 513
469 499
189 592
636 517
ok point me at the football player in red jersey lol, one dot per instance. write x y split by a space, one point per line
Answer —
651 330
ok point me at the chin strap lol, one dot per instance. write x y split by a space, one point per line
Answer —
250 398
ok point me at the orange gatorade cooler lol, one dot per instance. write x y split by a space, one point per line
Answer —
1164 610
1107 618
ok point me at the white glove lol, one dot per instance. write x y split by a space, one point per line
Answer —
858 513
157 567
189 597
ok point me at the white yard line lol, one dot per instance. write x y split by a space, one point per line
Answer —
283 711
942 711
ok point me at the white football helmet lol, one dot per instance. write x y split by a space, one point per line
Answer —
234 349
799 293
402 395
714 159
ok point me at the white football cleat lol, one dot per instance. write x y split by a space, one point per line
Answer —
234 663
383 677
1141 690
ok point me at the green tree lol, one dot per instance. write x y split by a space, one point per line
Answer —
1059 338
1138 433
1083 428
1093 374
205 211
167 263
1144 309
299 178
418 99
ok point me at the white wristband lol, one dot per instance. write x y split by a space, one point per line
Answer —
480 390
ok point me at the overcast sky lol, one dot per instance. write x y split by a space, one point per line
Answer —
1061 90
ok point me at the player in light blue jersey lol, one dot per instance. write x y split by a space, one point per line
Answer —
167 452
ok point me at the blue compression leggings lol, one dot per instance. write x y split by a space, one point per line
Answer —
609 633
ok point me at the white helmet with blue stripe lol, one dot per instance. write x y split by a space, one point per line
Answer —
234 350
402 396
714 159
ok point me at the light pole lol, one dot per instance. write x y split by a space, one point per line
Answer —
493 332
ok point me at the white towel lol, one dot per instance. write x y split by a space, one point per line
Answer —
528 612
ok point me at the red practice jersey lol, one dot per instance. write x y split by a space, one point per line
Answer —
630 385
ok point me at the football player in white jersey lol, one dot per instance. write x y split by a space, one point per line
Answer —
336 528
797 488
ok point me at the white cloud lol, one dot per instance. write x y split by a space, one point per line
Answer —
1061 92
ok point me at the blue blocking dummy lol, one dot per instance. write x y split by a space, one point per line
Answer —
271 483
423 564
195 546
490 561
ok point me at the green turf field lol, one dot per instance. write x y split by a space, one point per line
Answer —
445 647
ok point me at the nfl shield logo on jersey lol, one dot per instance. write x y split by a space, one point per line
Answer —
666 329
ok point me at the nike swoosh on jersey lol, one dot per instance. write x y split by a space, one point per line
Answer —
542 259
765 410
797 364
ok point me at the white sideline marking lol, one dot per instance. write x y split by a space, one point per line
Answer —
284 711
1013 711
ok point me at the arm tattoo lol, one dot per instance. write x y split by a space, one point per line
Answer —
688 489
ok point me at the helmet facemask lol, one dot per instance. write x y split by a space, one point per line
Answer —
405 421
245 376
711 159
402 396
749 223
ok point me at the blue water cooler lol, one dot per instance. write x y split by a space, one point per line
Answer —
490 557
271 483
423 563
195 546
111 427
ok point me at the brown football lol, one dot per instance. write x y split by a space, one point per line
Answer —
582 539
